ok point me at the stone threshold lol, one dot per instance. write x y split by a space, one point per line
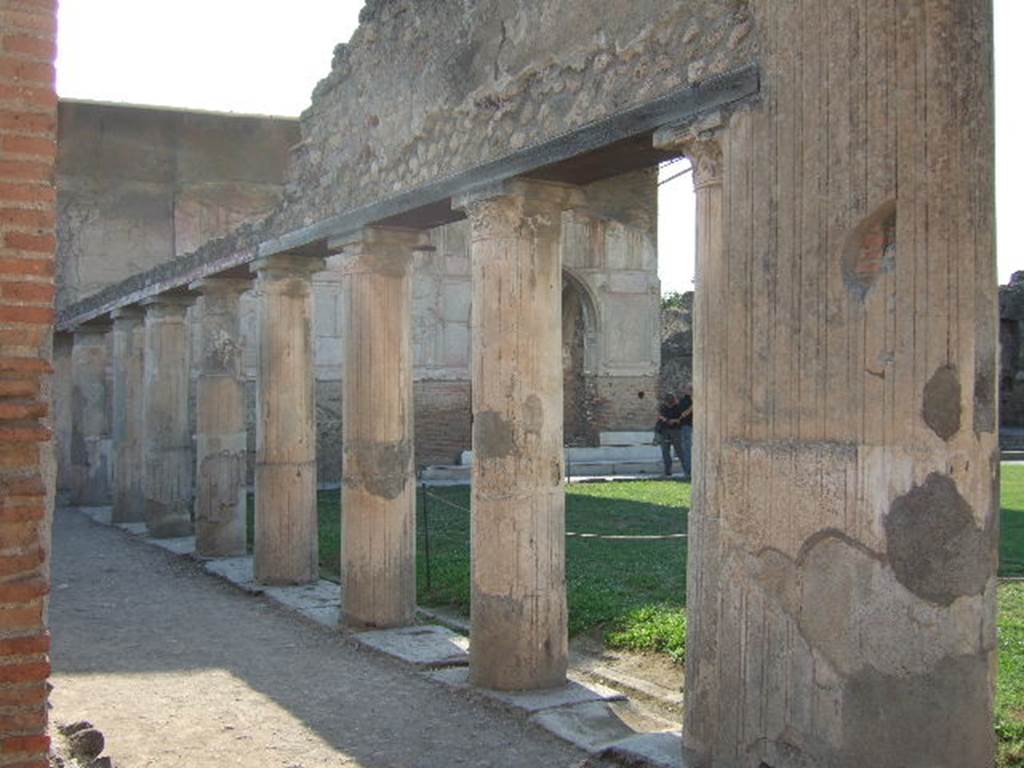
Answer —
594 717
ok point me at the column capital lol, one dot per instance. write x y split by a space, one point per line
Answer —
499 208
284 265
98 327
221 285
377 250
128 314
168 304
700 141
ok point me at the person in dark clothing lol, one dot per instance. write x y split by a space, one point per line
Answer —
674 418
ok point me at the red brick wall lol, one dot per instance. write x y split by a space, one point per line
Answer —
28 117
443 424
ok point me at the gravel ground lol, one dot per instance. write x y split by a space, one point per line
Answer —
178 669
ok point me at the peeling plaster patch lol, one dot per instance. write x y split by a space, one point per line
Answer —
984 399
533 415
870 250
873 701
382 469
493 436
934 547
941 402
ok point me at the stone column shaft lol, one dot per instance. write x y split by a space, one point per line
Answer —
167 441
129 342
378 525
519 630
285 547
90 417
221 448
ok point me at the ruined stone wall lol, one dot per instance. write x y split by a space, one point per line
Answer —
844 533
426 89
139 186
28 106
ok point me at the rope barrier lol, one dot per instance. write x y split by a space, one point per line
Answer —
578 535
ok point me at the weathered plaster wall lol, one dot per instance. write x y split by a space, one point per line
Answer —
426 89
139 186
844 534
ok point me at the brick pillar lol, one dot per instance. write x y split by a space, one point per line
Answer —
519 631
285 547
378 520
27 243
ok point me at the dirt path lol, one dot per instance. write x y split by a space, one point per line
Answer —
179 669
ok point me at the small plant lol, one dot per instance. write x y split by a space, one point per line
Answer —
657 628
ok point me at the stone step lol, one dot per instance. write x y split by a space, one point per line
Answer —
643 437
619 454
460 474
1011 439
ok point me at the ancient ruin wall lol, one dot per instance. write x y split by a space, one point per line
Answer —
426 89
141 186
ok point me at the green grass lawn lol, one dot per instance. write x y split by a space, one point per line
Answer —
633 591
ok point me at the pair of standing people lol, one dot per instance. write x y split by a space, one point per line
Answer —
675 424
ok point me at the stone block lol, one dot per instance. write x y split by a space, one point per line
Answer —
425 646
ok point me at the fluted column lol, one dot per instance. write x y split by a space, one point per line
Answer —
221 448
701 143
167 442
519 633
90 416
129 342
285 547
378 524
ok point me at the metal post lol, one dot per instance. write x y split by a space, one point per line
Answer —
426 530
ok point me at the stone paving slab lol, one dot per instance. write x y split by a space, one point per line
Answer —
591 726
135 529
184 545
530 702
429 646
657 750
317 602
237 570
100 515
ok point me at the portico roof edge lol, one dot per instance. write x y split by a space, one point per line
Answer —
678 106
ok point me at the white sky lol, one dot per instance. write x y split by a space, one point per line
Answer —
266 57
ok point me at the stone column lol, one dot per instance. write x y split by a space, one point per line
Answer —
378 523
90 416
702 145
129 342
844 536
167 442
220 421
519 635
285 550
